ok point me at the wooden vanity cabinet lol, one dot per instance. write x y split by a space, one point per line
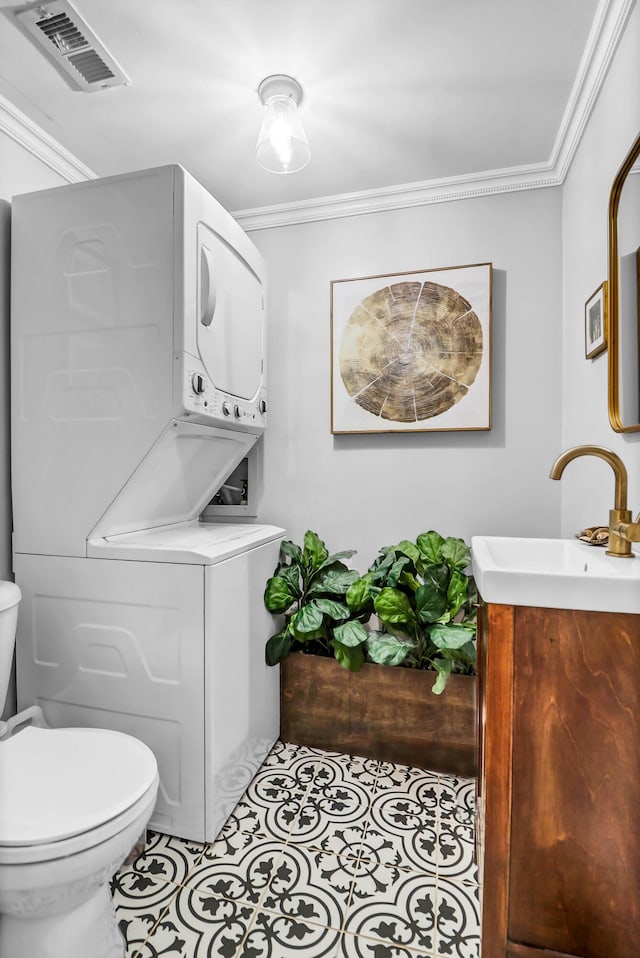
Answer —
559 783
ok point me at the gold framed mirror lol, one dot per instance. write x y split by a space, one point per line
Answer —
624 295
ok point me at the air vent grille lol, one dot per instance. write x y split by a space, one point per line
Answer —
92 68
58 27
62 32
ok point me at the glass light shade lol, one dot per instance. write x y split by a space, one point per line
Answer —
282 144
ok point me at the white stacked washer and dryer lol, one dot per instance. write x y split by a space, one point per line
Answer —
138 385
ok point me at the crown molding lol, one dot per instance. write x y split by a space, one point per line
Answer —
398 197
608 26
604 37
40 144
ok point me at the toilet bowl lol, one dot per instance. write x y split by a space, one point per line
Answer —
73 803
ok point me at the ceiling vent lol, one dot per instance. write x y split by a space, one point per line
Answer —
59 28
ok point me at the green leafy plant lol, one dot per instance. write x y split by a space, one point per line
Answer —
308 588
420 592
426 604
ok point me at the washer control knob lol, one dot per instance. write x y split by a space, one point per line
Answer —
262 406
237 412
226 409
197 384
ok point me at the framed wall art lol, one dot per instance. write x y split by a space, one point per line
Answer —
411 352
595 322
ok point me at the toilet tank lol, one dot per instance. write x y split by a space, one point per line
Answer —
10 596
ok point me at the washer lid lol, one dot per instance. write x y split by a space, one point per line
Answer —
195 542
55 783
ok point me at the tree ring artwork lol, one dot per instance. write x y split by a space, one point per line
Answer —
412 353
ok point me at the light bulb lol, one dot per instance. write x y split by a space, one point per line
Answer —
280 140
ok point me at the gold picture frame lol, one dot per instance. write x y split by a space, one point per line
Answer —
596 321
411 351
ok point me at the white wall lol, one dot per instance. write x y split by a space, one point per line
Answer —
20 172
587 484
366 491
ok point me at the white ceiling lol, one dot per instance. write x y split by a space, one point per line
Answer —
395 91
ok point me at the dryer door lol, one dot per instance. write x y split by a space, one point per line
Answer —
230 317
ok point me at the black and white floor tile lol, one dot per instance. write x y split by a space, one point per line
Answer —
325 856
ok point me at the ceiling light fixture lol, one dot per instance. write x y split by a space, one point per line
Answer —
282 144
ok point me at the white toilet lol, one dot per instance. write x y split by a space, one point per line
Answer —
73 803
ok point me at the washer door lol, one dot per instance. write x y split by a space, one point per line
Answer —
230 317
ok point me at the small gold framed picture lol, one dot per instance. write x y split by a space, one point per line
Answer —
596 315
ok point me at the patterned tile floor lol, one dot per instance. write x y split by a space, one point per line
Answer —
324 855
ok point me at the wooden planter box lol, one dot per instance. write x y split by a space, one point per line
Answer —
381 712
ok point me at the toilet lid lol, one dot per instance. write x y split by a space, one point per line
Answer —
55 783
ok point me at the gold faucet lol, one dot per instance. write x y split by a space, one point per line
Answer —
622 531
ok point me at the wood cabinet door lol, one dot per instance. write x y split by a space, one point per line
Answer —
574 884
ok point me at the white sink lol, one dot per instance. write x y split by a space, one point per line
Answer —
554 574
